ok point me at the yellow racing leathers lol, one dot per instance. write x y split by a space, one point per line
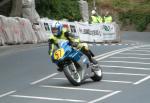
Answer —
74 41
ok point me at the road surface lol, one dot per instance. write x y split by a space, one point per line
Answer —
28 76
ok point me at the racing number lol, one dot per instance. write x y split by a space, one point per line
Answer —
58 54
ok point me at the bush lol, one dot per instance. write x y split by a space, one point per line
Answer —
135 12
140 20
59 9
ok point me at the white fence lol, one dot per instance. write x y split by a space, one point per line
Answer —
15 30
88 32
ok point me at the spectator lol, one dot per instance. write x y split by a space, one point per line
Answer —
95 18
107 17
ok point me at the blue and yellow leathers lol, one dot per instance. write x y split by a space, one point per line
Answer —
65 35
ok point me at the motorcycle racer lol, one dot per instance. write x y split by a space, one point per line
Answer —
61 33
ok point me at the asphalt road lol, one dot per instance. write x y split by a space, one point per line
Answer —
28 76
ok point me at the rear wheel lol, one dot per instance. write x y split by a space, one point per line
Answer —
72 74
97 73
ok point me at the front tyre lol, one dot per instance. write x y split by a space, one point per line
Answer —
72 74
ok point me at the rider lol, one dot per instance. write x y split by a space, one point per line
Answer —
59 33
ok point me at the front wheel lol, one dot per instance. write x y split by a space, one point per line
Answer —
72 74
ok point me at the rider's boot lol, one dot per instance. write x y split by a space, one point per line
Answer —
59 69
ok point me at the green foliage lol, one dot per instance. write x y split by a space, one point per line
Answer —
129 11
120 4
128 5
140 20
59 9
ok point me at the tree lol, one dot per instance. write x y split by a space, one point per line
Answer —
59 9
5 7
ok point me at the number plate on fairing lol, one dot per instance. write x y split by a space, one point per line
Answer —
58 54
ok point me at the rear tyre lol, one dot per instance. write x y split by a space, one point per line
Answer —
97 74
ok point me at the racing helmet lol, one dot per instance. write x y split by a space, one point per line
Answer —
56 28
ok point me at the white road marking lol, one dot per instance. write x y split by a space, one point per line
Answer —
113 44
8 93
35 82
72 88
125 62
112 81
104 97
98 56
130 58
140 50
60 78
143 48
118 51
120 44
105 55
46 98
142 80
131 74
133 54
98 44
133 44
136 68
106 44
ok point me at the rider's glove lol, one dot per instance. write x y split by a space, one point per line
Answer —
74 44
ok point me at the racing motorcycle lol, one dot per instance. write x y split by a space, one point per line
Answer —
75 65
